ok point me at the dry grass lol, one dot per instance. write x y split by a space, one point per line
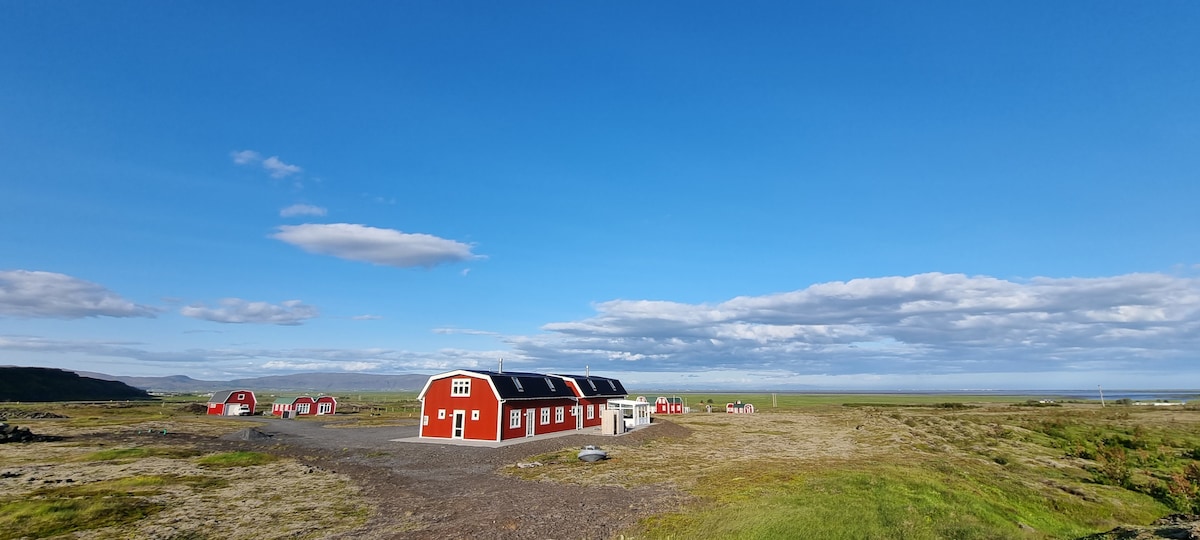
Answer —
279 499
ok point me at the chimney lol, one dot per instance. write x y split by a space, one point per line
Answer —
501 368
587 371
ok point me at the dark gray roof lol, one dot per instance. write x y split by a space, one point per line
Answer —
220 397
593 386
522 385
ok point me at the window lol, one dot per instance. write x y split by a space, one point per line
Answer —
241 397
517 382
613 385
558 415
545 415
302 408
460 387
324 408
593 385
600 407
425 420
591 412
514 418
441 414
475 414
550 384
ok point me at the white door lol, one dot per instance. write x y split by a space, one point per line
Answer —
460 418
530 418
578 412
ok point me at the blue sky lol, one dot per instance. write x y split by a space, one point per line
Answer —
680 194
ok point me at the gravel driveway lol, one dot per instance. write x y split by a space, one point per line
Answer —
446 491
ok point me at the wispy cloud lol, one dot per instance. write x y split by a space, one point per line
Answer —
252 361
238 311
273 165
367 317
36 294
387 247
278 169
245 157
302 210
463 331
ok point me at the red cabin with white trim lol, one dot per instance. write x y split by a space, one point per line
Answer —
305 405
738 407
495 406
232 403
668 405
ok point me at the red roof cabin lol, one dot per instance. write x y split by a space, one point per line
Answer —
496 406
232 403
305 405
668 405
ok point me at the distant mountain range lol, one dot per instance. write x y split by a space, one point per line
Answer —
300 382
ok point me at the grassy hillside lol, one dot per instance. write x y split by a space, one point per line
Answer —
46 384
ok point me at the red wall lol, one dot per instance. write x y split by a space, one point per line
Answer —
437 396
327 399
568 422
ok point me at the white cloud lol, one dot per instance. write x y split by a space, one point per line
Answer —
279 169
273 165
302 210
245 157
928 323
238 311
386 247
367 317
35 294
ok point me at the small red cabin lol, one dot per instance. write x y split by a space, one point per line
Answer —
232 403
738 407
668 405
305 405
495 406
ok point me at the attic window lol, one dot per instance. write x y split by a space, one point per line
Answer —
550 384
517 382
460 387
593 385
613 385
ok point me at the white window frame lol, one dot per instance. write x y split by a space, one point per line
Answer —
241 397
558 415
475 414
441 414
517 382
591 412
545 415
302 408
514 418
324 407
425 420
550 383
593 385
460 387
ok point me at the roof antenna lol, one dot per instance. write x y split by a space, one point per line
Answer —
501 368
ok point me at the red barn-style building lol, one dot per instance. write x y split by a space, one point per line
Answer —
668 405
305 405
496 406
232 403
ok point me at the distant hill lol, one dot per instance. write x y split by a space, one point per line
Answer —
300 382
49 384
